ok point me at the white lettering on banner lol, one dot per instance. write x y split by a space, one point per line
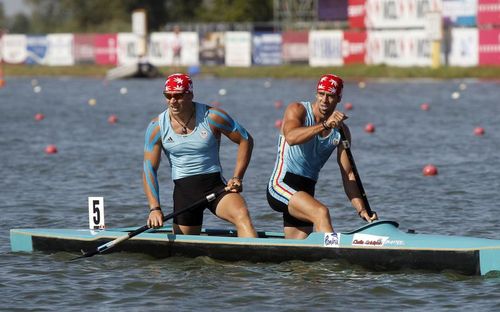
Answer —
355 10
489 48
488 7
325 48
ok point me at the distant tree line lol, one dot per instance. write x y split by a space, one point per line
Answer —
101 16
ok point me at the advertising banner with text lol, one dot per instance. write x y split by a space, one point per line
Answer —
399 48
399 13
238 48
488 12
60 50
325 48
169 48
266 49
14 48
105 46
489 47
295 46
460 12
354 47
464 47
83 49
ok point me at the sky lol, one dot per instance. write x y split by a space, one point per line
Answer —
12 7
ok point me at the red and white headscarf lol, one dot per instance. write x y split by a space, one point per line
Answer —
331 84
178 83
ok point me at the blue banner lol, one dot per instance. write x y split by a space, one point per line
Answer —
37 49
266 49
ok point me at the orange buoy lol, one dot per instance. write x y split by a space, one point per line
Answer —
479 131
278 104
348 106
39 116
278 123
112 119
370 128
51 149
429 170
425 106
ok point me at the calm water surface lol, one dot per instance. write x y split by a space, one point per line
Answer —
96 158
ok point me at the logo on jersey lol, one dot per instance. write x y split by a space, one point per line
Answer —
203 134
170 140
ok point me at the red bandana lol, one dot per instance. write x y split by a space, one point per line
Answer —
331 84
179 83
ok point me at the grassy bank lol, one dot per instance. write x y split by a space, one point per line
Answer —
284 71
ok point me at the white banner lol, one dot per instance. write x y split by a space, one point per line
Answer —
399 48
464 47
460 12
14 49
399 13
127 48
60 50
238 48
163 44
325 48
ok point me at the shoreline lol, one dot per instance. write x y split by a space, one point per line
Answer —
348 72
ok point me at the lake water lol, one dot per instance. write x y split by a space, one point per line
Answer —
96 158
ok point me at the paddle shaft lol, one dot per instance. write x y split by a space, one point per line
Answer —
144 228
347 148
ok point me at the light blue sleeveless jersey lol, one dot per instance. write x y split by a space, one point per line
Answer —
308 158
193 153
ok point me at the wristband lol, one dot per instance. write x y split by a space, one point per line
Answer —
325 125
155 209
237 178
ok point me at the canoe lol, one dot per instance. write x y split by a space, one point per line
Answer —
378 246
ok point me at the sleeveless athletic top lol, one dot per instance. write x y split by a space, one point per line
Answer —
308 158
194 153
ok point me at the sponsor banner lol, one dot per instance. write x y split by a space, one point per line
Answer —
212 48
295 46
488 12
60 50
368 240
399 13
325 48
354 47
238 48
36 48
83 49
399 48
356 12
105 46
332 10
489 47
170 48
127 48
460 12
266 49
464 47
14 48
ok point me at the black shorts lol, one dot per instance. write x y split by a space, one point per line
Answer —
190 190
298 183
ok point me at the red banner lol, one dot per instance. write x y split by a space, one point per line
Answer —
488 12
356 12
84 48
295 46
105 49
354 47
489 47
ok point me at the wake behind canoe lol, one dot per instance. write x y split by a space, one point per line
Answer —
379 246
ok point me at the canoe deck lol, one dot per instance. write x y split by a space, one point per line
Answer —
377 246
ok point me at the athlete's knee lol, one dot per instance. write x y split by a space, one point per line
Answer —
322 213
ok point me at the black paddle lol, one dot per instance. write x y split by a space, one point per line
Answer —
347 147
111 244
